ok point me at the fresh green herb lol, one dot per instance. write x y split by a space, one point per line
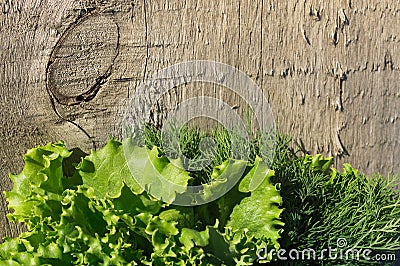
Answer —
323 206
89 209
97 214
185 143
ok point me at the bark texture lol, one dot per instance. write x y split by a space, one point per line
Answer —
330 70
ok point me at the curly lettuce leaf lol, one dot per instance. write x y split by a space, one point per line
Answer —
191 238
164 179
318 163
37 189
224 177
231 247
255 176
106 171
259 213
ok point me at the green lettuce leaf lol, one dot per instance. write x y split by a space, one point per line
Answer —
224 178
106 171
318 163
255 176
37 189
259 213
162 178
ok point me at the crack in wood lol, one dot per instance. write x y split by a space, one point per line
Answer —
341 79
52 100
341 150
146 41
315 13
304 34
335 39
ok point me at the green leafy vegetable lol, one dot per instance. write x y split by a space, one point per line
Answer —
106 171
260 212
92 210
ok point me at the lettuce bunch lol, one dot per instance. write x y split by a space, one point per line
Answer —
89 210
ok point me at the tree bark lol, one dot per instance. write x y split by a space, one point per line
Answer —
330 70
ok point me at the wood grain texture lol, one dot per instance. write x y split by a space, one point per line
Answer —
330 70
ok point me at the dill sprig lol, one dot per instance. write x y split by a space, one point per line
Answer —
322 206
200 151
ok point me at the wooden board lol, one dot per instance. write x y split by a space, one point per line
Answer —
330 70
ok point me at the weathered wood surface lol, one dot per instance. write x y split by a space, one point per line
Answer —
331 70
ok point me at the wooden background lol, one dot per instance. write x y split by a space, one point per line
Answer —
330 69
